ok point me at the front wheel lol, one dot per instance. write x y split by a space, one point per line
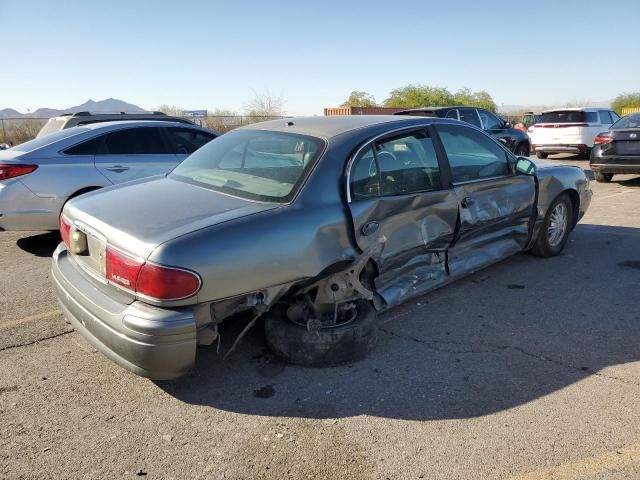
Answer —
603 177
324 346
542 155
555 229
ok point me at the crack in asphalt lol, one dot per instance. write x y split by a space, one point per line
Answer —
9 347
472 348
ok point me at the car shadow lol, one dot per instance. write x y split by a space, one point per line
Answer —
631 182
42 245
506 336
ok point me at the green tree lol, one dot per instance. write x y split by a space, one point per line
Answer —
358 98
425 96
626 100
419 96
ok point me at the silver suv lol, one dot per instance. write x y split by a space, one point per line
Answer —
38 177
69 120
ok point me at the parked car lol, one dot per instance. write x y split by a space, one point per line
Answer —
38 177
69 120
512 138
617 150
569 130
316 224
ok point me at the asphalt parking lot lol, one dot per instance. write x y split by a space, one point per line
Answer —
527 370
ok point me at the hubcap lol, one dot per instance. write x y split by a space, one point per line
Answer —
557 225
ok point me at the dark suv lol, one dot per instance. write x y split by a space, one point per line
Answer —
515 140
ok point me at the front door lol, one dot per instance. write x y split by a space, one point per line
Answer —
133 153
396 191
496 205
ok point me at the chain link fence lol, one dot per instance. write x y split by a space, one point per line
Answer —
14 131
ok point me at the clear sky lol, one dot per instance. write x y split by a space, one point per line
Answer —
214 54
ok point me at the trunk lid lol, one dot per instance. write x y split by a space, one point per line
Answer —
139 216
625 142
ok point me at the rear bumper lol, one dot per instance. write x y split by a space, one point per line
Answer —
152 342
561 148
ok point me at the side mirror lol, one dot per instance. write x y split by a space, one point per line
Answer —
524 166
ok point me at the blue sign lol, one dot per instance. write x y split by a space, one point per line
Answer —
195 113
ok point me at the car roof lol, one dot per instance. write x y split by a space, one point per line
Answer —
328 127
139 123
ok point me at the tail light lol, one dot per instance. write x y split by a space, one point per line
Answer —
602 140
65 229
148 279
13 170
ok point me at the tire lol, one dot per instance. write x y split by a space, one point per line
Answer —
603 177
542 155
550 240
329 346
522 150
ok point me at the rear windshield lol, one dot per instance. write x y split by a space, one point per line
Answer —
630 121
38 142
52 125
253 164
568 116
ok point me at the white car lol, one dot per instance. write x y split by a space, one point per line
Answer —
569 130
38 177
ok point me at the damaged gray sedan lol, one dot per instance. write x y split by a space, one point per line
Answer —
312 224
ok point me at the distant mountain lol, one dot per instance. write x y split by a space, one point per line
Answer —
109 105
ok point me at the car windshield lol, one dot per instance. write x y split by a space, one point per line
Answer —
38 142
253 164
567 116
630 121
52 125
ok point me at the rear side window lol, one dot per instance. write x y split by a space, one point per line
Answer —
399 165
185 141
469 115
452 114
614 116
90 147
472 154
134 141
605 117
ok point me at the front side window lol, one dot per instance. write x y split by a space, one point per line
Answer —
490 121
605 117
472 155
469 115
398 165
253 164
185 141
133 141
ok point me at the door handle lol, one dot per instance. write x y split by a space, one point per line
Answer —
370 228
467 201
117 168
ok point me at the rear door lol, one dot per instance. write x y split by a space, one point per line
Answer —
133 153
398 190
496 206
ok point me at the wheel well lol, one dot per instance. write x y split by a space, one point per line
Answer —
78 193
575 202
524 142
